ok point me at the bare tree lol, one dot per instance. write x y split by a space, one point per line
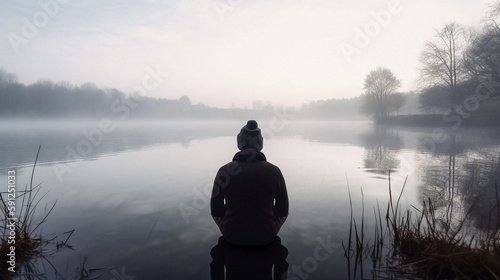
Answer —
482 58
380 84
494 15
442 61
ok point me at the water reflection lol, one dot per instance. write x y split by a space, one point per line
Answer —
438 181
131 186
381 146
480 191
462 180
63 142
238 262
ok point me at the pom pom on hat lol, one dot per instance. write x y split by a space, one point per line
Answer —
251 124
250 136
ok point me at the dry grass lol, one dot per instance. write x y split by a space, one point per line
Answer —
417 244
28 243
443 249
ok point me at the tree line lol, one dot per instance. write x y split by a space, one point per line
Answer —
46 99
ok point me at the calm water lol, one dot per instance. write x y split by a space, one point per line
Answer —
137 196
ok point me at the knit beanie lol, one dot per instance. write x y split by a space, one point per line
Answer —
250 137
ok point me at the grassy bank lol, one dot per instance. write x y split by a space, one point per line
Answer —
419 243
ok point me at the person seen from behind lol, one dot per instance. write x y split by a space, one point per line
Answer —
249 200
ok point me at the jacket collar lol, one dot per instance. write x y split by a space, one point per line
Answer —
249 155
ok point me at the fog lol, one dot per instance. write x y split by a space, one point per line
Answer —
224 53
133 107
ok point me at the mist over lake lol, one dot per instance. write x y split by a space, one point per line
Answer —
222 139
138 197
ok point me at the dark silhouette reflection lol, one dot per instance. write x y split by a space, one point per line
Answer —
481 192
248 262
463 182
439 178
381 146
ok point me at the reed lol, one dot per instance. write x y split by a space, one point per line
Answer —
28 241
442 248
418 243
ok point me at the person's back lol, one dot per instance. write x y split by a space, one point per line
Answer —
249 199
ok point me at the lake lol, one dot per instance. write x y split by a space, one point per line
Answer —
137 194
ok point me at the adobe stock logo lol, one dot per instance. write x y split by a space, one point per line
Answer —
362 37
40 19
310 264
222 7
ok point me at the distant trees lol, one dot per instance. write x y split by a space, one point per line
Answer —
443 62
434 99
396 101
333 109
185 102
7 78
46 99
380 97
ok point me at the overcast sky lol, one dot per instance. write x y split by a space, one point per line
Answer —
228 52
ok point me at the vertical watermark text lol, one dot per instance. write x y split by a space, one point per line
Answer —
11 222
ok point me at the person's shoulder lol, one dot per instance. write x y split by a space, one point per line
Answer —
232 168
271 166
226 165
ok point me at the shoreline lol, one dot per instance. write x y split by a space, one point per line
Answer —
442 120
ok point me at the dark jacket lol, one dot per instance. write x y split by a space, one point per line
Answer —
249 199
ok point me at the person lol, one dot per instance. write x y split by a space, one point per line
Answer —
249 201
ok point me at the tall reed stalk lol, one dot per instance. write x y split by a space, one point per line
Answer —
28 243
419 244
